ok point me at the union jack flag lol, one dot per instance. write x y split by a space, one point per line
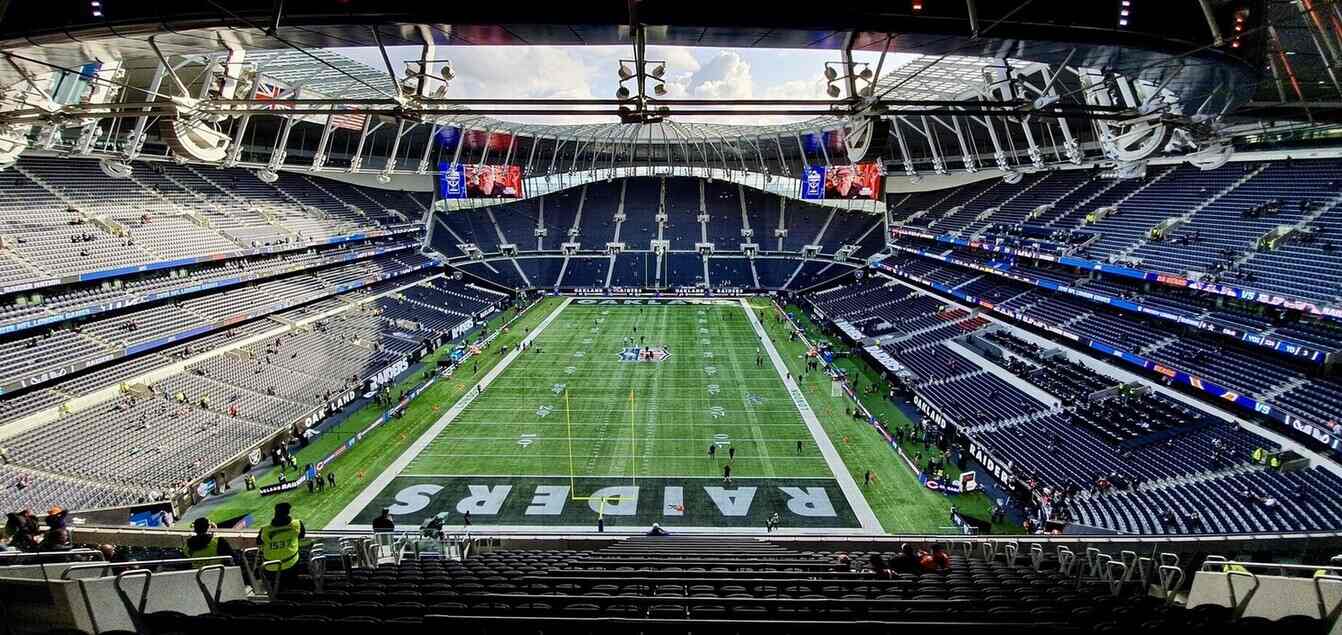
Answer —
269 90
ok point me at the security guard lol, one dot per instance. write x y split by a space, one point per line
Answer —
279 541
1335 561
205 544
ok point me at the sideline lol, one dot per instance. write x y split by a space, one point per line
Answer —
342 520
856 500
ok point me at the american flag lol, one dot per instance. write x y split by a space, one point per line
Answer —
348 121
269 90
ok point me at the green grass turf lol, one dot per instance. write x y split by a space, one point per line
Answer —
672 422
365 460
631 419
899 501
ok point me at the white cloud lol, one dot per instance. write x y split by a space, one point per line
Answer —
590 72
521 71
727 76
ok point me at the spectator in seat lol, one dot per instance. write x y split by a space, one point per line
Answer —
906 561
934 559
657 531
21 530
57 537
384 523
877 567
844 564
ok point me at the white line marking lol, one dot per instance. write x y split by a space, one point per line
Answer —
856 500
369 493
609 478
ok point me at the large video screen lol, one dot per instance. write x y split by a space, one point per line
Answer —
458 181
859 181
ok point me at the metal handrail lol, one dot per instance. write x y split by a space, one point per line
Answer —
273 591
249 572
212 601
1129 560
1330 617
1144 565
65 575
1066 561
133 610
1239 607
38 554
1116 582
1171 578
1213 562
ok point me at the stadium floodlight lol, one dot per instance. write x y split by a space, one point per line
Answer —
833 91
831 74
622 93
659 90
865 74
659 70
448 73
625 73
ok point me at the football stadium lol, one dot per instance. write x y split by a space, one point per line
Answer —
977 316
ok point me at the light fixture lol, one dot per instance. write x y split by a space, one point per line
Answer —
659 70
831 74
659 90
833 90
625 73
622 92
448 72
865 74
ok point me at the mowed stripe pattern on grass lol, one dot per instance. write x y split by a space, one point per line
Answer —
708 390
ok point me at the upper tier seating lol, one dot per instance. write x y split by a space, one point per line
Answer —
62 217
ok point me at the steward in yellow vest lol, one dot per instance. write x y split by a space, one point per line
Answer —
205 544
279 540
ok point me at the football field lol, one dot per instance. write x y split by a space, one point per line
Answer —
611 411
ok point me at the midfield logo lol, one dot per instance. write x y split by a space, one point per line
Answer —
639 354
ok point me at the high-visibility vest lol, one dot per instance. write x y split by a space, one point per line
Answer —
1238 568
210 550
280 543
1274 462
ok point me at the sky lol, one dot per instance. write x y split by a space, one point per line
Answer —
587 72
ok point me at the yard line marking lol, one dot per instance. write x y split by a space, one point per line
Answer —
374 487
856 500
713 477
